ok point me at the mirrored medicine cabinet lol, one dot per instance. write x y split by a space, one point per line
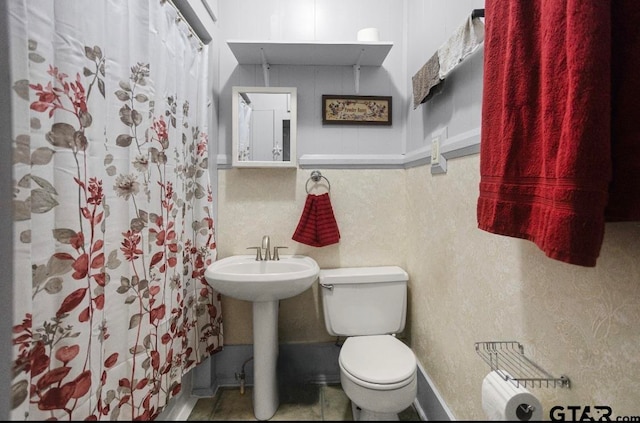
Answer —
264 126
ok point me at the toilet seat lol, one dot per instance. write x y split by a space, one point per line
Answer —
380 362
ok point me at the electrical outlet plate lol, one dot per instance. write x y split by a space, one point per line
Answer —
435 151
438 162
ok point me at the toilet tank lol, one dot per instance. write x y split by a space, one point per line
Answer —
364 300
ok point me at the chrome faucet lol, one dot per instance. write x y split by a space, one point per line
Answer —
266 245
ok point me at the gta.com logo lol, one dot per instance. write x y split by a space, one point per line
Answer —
576 413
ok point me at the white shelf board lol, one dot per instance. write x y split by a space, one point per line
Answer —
314 53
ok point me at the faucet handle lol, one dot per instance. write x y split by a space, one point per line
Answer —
276 256
258 252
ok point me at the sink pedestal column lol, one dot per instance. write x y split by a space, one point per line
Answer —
265 359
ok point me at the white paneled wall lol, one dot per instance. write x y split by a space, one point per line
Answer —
318 20
429 24
416 28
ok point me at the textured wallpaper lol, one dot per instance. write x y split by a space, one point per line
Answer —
465 285
369 207
468 285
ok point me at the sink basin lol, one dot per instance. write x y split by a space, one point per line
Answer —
264 283
244 278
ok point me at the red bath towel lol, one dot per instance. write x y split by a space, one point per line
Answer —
546 140
317 226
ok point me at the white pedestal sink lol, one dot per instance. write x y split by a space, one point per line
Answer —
264 283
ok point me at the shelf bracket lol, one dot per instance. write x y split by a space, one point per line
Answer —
356 71
265 68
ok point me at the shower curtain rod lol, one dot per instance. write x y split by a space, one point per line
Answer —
181 17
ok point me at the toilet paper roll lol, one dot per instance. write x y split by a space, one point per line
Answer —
368 34
503 400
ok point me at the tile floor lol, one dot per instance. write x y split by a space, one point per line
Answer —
311 402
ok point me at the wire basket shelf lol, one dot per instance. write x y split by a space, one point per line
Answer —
507 358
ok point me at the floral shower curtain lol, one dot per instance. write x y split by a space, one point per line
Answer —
112 209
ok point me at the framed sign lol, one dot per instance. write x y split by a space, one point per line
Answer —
356 110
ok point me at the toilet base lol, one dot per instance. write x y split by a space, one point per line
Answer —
361 415
381 404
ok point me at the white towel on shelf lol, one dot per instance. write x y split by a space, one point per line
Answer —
426 81
465 40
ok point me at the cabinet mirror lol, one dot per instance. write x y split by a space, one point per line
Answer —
264 126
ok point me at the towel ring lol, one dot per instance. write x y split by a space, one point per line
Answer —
316 177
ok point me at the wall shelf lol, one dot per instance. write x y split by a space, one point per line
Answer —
508 360
310 53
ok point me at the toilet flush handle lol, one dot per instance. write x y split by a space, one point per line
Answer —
327 286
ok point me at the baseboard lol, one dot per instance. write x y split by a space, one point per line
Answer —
178 410
297 363
306 363
429 403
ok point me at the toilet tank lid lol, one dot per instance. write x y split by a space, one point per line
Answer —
346 275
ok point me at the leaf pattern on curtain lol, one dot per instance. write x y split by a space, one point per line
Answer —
112 215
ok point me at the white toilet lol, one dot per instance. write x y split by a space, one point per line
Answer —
368 305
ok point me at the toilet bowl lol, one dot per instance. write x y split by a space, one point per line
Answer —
378 372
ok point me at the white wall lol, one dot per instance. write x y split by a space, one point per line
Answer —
457 108
315 20
416 29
